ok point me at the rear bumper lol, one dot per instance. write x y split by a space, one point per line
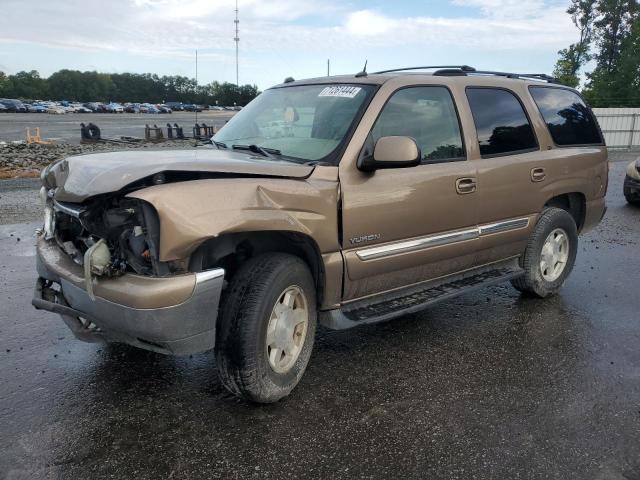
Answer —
160 314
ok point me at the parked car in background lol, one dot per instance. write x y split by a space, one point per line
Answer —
3 109
93 106
175 106
191 107
56 110
36 108
13 105
79 108
114 108
132 108
631 187
148 108
164 109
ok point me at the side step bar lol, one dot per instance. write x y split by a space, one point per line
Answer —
387 306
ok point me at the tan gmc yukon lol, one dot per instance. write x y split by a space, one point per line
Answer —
342 200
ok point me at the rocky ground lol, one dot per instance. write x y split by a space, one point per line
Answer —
21 160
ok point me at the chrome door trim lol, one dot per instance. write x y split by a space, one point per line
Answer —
417 244
406 246
503 226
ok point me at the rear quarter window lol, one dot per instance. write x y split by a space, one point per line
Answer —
568 118
502 125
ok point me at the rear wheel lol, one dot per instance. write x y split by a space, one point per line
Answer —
266 328
550 254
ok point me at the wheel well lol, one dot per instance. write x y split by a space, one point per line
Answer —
230 251
574 203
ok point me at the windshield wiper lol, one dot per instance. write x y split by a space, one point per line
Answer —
218 144
267 152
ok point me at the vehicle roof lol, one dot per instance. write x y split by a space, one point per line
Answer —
414 77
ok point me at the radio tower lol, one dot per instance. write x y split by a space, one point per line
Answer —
237 40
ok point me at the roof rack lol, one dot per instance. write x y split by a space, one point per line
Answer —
463 70
534 76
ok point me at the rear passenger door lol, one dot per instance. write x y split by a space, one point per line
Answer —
511 171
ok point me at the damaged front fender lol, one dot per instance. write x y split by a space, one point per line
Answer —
195 211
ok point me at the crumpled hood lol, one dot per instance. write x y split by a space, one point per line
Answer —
80 177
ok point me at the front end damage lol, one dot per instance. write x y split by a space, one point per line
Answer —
99 269
136 248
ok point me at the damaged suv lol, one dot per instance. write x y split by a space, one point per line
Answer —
341 200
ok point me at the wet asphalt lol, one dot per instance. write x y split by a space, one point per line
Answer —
491 385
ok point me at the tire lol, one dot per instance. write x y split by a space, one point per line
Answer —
545 283
631 197
631 200
248 308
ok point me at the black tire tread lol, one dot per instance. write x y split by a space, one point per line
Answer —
239 373
547 219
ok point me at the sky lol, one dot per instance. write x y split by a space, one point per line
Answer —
280 38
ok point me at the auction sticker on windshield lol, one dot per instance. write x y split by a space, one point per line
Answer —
345 91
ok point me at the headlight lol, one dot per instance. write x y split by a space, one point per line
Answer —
632 170
49 222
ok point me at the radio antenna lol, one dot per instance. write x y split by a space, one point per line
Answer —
363 73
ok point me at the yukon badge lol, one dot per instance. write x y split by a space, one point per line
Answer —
364 238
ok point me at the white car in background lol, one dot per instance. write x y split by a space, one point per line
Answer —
56 109
114 108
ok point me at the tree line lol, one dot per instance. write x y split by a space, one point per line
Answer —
609 41
79 86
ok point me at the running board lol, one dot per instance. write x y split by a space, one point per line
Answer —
391 305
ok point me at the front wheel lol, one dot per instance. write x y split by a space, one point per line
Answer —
266 328
550 254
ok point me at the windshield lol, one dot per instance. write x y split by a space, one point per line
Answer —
305 123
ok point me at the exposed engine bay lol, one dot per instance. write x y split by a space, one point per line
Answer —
109 236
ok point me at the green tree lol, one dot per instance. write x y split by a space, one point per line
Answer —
613 30
573 58
79 86
27 85
4 84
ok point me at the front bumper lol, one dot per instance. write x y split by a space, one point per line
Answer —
631 188
172 315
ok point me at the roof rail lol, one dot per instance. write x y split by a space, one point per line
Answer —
459 70
464 68
534 76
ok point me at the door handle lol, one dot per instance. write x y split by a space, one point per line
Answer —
538 174
466 185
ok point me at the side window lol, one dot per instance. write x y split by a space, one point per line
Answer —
569 120
428 115
500 121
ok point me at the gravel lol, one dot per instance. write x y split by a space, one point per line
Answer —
23 160
19 201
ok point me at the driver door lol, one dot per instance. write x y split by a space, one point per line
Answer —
406 225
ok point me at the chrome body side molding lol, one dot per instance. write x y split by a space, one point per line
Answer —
497 227
447 238
417 244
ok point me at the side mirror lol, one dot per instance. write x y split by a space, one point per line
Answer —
391 152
